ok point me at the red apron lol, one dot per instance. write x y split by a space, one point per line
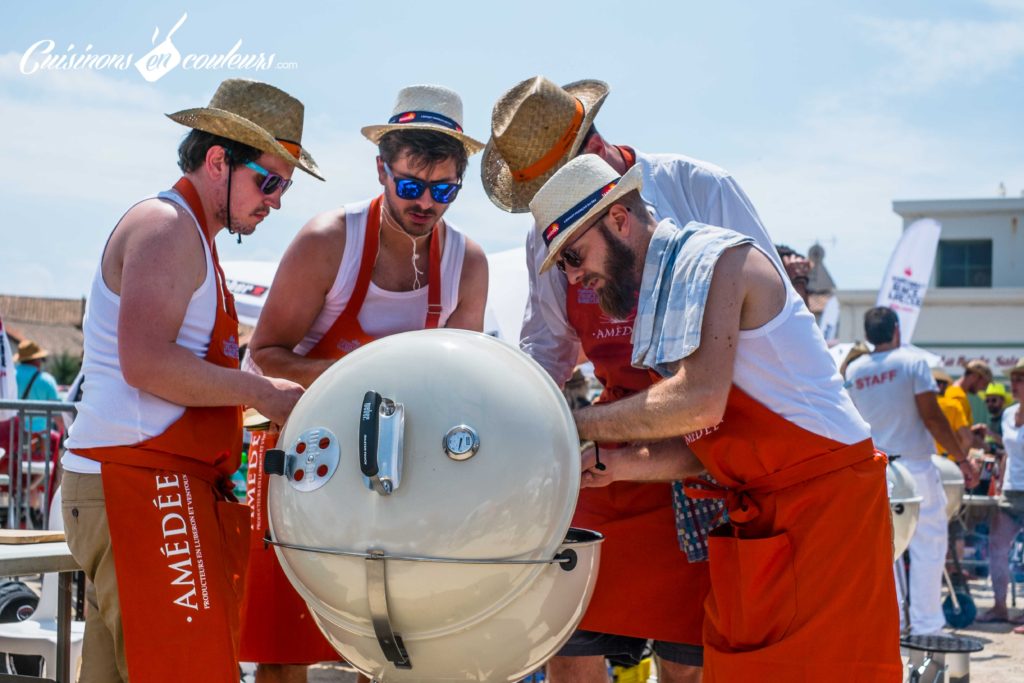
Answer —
646 587
801 579
276 624
178 539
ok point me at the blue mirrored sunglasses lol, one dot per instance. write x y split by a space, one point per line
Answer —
271 181
409 188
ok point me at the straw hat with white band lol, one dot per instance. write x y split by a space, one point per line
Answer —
575 194
426 107
536 127
255 114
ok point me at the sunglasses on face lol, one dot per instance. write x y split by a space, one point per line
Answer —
271 181
410 188
572 257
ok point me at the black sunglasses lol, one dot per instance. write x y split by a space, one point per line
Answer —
572 257
409 188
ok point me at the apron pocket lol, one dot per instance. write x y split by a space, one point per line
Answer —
753 589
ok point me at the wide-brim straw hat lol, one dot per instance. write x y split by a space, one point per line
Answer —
29 350
255 114
426 107
940 375
575 194
536 127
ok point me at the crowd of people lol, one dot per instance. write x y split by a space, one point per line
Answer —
916 411
719 393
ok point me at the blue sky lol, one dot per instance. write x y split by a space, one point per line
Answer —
825 112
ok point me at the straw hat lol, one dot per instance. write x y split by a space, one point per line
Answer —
941 375
575 194
255 114
1017 369
426 107
29 350
536 127
979 367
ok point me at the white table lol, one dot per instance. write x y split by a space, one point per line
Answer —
45 558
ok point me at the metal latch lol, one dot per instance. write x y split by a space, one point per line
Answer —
377 595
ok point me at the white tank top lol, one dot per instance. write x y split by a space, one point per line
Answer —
112 412
385 312
785 365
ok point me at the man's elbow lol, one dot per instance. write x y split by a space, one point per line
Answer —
137 371
711 409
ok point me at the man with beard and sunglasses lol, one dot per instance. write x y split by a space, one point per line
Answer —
146 491
537 127
801 576
353 274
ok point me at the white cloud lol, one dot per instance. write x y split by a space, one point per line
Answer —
931 52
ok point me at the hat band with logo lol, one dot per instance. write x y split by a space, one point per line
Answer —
557 151
565 221
425 117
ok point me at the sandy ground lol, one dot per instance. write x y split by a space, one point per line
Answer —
1002 660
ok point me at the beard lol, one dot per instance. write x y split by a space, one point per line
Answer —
618 296
238 225
404 221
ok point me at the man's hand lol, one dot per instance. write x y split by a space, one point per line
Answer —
278 399
590 474
971 473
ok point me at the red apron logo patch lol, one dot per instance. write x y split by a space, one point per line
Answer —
231 347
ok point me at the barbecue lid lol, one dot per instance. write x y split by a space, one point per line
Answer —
438 445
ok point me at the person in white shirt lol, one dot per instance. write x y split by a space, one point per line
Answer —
1009 519
537 128
894 391
353 274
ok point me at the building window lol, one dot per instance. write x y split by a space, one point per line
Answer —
965 263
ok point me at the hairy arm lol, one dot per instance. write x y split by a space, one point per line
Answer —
938 426
160 255
667 460
304 277
469 313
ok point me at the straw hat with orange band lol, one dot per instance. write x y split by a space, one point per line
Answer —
536 127
255 114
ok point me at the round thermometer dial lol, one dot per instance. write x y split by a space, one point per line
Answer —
461 442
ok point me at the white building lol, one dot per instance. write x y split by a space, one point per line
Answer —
974 306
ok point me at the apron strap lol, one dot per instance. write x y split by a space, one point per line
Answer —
739 501
434 281
225 300
371 244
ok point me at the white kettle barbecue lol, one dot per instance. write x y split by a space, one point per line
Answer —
904 505
427 485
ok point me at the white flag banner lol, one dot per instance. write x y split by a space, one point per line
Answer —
910 268
829 320
8 378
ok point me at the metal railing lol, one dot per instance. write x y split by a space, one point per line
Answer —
26 474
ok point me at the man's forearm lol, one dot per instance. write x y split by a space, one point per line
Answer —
177 375
276 361
664 411
940 430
